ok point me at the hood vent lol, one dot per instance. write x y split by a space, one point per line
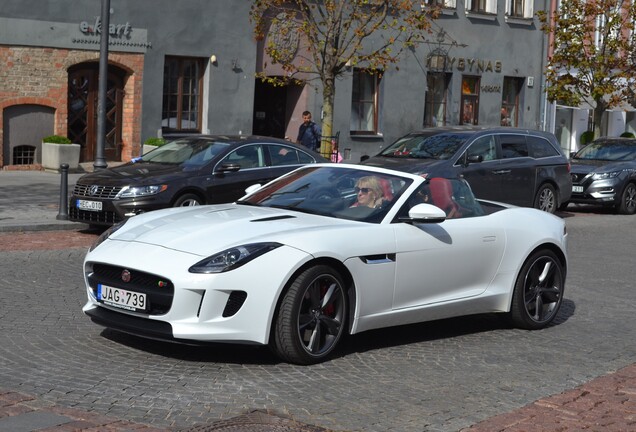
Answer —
273 218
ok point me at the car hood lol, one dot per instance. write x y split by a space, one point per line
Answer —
203 230
581 166
404 164
141 173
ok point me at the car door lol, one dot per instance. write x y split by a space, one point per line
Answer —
482 176
250 168
444 262
517 170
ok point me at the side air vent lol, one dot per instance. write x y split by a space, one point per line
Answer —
234 303
273 218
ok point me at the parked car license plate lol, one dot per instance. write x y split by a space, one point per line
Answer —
121 298
578 189
89 205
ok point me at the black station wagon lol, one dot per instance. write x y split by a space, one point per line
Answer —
516 166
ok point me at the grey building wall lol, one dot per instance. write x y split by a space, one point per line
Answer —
202 28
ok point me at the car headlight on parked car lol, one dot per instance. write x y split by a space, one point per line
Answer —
232 258
103 236
139 191
606 175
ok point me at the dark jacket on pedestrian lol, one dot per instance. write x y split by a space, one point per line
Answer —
309 135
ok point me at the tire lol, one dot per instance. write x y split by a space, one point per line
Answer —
538 292
188 200
627 205
546 198
311 318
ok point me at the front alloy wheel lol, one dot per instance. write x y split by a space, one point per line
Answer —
538 292
311 317
627 204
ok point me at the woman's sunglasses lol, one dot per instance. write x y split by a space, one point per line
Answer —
363 190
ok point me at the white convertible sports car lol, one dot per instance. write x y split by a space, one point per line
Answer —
324 251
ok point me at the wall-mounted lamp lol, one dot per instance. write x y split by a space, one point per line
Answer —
213 59
348 64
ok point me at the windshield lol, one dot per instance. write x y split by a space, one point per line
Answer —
345 193
609 150
190 151
440 146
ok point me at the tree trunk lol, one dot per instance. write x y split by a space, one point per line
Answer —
328 91
598 116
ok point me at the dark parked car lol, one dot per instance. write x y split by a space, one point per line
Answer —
516 166
188 171
604 173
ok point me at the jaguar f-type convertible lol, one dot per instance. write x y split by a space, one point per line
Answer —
322 252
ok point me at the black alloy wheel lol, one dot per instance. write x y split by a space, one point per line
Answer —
312 316
627 204
538 291
188 200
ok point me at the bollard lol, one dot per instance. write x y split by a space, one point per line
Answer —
63 211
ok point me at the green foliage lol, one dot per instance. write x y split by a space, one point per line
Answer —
583 69
56 139
586 137
154 141
627 135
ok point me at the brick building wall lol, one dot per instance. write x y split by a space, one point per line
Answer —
31 75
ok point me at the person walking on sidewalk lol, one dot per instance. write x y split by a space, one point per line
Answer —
309 133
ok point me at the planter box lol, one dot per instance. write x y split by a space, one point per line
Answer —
53 155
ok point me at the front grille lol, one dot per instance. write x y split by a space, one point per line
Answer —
159 290
104 217
96 191
578 178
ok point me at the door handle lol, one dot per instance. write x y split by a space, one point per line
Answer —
501 171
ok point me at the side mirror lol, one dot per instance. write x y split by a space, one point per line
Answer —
425 213
475 159
253 188
228 167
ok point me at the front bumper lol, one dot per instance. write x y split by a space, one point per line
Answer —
599 192
115 210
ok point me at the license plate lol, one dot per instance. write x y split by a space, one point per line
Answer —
89 205
578 189
121 298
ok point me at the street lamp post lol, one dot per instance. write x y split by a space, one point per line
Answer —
100 161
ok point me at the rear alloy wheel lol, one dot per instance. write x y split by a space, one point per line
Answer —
628 200
546 199
538 292
188 200
311 317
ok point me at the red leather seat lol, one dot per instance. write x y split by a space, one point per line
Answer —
442 196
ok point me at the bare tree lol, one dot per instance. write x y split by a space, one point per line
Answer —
333 35
593 56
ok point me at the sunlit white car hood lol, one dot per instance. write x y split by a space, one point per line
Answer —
203 230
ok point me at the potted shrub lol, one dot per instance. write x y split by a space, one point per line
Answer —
627 135
152 143
586 138
57 150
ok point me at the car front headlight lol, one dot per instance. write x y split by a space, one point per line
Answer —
139 191
605 175
232 258
103 236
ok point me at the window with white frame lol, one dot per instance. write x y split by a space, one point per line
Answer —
365 102
519 8
481 6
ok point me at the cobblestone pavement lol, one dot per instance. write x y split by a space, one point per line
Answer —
472 374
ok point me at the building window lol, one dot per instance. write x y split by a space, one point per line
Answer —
510 101
365 102
182 83
469 112
482 6
447 4
436 97
519 8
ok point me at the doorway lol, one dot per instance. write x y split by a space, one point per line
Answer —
82 110
273 109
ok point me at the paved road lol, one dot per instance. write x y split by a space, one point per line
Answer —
441 376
